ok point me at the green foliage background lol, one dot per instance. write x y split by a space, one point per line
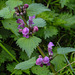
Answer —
56 22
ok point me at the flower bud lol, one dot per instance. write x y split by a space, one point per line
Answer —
39 61
17 14
16 8
35 29
48 64
26 6
21 13
40 56
46 60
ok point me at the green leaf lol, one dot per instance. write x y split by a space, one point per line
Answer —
13 3
71 4
5 13
11 24
2 4
39 22
35 9
48 16
40 70
27 71
58 62
28 44
10 67
26 64
27 1
51 73
63 2
65 20
64 50
49 32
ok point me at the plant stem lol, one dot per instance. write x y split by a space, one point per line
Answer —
42 53
60 39
8 52
48 3
24 20
40 50
65 66
23 17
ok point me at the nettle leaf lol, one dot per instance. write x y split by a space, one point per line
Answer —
71 4
65 20
40 70
13 3
28 44
49 32
59 62
5 13
48 15
11 24
39 22
10 67
64 50
26 64
2 4
35 9
63 2
26 1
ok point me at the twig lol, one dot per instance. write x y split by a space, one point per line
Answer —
65 67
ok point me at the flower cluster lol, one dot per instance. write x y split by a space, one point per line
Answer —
40 61
50 49
22 11
27 31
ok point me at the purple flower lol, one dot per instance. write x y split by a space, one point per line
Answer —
35 29
40 56
46 60
50 46
25 6
39 61
48 64
25 31
22 23
31 20
27 36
